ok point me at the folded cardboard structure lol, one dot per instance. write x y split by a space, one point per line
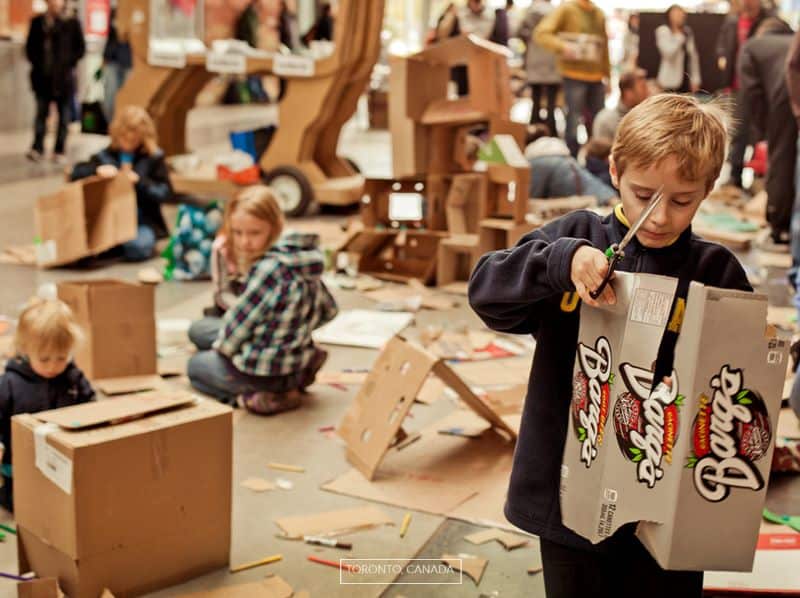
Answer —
436 193
374 422
83 219
163 518
320 96
689 461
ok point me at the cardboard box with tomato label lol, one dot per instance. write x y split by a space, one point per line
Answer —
689 461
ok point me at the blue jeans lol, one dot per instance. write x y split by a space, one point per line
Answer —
213 374
562 176
142 247
584 100
204 332
40 122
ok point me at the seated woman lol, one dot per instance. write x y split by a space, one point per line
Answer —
555 173
134 150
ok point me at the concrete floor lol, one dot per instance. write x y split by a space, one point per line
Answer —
289 438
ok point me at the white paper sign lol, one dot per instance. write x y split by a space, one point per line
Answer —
168 58
233 64
54 466
405 206
292 66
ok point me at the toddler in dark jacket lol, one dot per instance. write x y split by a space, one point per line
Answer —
42 375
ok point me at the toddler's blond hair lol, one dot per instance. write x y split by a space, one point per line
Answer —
134 118
46 326
669 124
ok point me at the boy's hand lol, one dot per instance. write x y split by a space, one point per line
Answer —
132 176
589 266
107 171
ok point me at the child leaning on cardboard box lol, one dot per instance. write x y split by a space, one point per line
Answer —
270 292
668 141
41 375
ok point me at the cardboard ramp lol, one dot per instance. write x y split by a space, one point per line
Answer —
374 420
451 476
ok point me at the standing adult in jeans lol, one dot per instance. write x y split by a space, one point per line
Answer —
54 47
736 30
576 33
540 66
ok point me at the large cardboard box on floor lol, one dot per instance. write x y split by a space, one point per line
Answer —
118 319
130 494
690 462
84 218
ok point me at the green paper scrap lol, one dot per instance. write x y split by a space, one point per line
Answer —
792 521
8 528
490 152
724 221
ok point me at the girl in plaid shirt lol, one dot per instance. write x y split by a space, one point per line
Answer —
263 353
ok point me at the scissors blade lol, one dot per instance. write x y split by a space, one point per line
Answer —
654 201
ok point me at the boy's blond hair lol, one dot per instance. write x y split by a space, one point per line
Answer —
258 201
134 118
669 124
46 326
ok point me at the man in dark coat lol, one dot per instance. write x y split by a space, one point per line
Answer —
54 47
765 97
736 30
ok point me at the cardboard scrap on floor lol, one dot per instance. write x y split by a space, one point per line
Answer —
21 255
333 523
769 259
341 378
362 328
258 484
784 318
432 390
788 424
39 588
508 540
130 384
451 476
471 566
406 298
495 373
272 586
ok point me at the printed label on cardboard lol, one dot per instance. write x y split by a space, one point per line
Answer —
730 433
646 423
218 62
650 307
168 58
292 66
591 390
46 252
56 467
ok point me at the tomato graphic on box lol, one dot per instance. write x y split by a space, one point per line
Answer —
581 401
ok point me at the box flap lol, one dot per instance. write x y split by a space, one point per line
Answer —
128 384
60 226
105 412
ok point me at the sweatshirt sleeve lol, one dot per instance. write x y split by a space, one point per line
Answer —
154 185
507 285
85 390
5 409
546 33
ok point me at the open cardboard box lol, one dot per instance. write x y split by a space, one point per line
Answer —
690 462
118 353
162 518
396 255
85 218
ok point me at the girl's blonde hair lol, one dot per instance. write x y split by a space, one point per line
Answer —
134 118
259 201
668 124
46 326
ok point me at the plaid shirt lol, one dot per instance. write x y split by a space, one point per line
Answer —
267 332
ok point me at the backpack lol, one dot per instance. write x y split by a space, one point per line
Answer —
188 254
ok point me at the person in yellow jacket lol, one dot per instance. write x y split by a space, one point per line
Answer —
576 33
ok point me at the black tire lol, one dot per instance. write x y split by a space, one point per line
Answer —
292 188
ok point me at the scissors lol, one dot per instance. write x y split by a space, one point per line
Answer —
617 251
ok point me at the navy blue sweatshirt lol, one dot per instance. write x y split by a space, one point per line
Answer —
24 391
520 291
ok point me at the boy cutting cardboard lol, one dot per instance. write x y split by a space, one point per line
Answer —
668 142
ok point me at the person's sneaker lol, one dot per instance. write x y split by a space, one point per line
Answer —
314 366
34 155
270 403
60 159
